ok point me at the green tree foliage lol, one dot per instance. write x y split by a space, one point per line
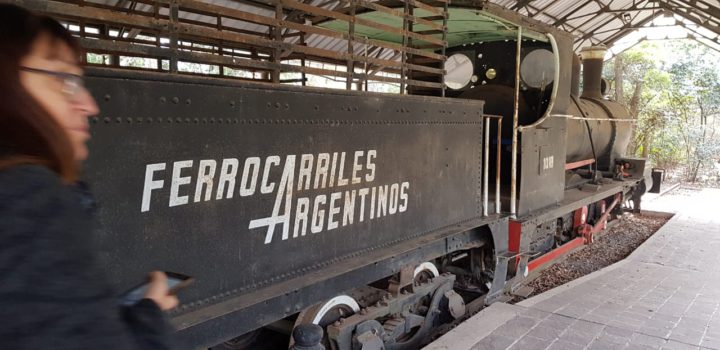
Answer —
672 90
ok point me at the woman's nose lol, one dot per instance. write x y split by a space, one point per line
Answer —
86 104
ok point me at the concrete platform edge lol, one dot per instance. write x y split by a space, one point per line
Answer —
468 333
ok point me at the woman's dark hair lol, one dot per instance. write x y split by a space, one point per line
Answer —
28 134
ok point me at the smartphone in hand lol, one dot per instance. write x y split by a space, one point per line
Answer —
175 281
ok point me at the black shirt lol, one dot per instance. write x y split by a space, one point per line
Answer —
53 293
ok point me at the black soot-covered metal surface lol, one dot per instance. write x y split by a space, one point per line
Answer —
244 186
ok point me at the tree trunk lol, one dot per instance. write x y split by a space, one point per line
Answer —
635 100
634 110
699 143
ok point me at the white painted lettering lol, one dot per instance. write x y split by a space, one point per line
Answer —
382 201
332 224
332 169
356 167
393 204
404 196
301 217
151 184
318 219
248 189
177 181
321 170
341 180
206 173
349 208
275 175
305 174
362 193
371 154
372 202
228 172
285 190
266 187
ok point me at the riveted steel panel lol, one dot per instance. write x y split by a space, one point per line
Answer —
542 171
158 137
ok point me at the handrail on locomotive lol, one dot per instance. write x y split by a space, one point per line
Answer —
486 162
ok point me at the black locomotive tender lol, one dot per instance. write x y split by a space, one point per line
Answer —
361 212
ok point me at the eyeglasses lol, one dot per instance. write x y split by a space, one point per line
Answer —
72 83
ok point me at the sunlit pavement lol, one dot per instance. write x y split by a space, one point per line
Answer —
665 295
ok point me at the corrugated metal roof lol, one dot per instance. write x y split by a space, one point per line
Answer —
611 22
591 21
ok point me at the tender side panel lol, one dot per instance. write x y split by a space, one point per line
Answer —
244 187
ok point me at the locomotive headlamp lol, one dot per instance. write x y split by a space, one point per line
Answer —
458 71
537 69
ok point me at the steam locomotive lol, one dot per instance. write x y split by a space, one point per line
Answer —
370 215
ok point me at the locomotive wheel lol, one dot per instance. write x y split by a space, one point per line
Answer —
424 272
326 313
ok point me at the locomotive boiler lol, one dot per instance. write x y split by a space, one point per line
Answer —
599 118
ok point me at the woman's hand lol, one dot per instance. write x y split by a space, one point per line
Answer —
158 291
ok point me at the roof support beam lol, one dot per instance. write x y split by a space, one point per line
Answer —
613 16
679 10
715 40
578 44
694 32
520 4
629 26
711 9
686 14
529 7
634 8
545 7
267 5
565 18
591 31
564 25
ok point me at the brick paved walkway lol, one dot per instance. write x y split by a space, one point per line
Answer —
665 295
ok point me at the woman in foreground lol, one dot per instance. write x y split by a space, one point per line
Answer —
53 294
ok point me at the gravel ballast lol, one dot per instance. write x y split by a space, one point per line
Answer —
609 247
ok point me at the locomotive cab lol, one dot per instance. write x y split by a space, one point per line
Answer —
486 70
